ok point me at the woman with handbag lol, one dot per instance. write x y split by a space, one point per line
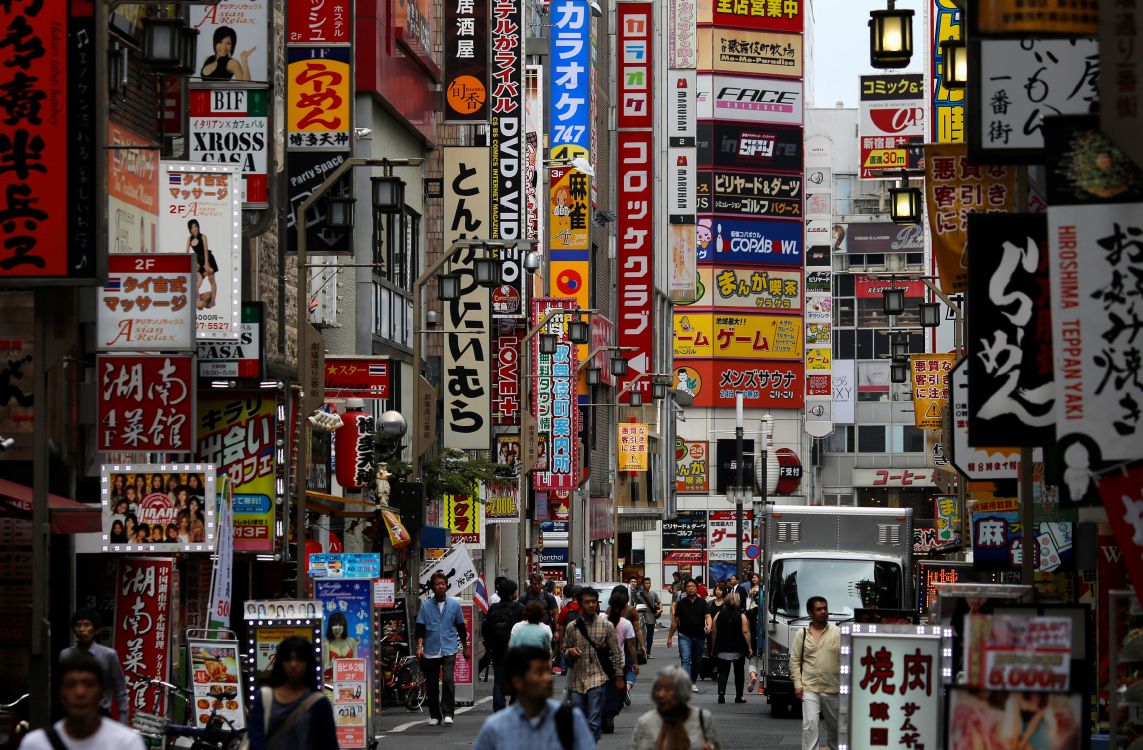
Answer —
290 714
673 724
731 638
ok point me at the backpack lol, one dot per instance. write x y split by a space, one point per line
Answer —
565 725
498 625
571 616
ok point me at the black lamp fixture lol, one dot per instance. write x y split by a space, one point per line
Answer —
488 271
579 331
448 287
618 366
905 203
930 314
658 391
548 343
899 371
162 42
954 54
594 376
388 194
188 51
899 346
890 37
636 399
893 301
339 210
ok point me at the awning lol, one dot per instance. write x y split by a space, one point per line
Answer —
67 515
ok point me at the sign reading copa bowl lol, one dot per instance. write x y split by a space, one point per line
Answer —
727 240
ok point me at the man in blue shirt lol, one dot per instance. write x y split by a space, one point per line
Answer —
534 720
440 634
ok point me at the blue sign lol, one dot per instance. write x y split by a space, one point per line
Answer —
346 565
570 115
554 556
348 610
772 243
997 543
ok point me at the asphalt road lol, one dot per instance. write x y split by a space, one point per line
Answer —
746 725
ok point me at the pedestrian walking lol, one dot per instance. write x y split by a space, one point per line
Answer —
441 633
531 631
291 713
84 726
84 625
499 625
691 619
568 613
731 646
592 651
616 699
650 610
533 720
815 666
673 724
753 603
537 591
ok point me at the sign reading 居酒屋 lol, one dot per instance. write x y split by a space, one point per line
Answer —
466 61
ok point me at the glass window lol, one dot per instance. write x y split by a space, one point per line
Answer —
871 313
865 344
846 285
845 584
871 439
844 346
881 342
843 312
840 440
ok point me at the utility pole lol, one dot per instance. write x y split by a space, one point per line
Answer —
739 481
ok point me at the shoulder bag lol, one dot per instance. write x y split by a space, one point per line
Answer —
602 653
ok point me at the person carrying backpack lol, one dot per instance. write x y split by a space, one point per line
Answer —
534 720
498 623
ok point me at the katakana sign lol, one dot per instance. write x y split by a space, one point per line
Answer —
361 377
147 304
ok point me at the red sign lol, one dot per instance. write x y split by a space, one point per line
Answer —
634 79
818 385
789 471
755 14
602 335
506 377
554 394
317 22
146 403
766 385
602 510
46 141
1122 495
357 377
635 290
869 287
142 628
146 303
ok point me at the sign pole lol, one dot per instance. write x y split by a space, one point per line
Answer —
739 481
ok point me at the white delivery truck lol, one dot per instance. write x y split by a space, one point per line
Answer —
854 557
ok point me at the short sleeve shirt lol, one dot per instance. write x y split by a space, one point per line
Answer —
692 616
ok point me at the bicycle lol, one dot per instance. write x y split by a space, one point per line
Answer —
13 722
404 682
219 733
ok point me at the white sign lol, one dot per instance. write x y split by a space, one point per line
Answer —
682 194
682 34
844 390
891 686
233 41
457 566
201 214
753 100
720 531
1094 330
819 180
385 593
1018 652
682 116
147 304
228 126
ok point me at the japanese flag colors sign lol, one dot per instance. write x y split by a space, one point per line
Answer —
142 636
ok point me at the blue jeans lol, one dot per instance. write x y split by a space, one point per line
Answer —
591 703
498 701
690 655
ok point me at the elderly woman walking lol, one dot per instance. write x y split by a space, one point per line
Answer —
673 724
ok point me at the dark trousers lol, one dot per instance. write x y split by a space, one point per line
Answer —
498 701
724 675
649 633
442 701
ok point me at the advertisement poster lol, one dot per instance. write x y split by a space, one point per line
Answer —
463 672
346 565
465 58
714 383
633 444
200 211
147 304
229 126
216 678
132 192
980 718
319 97
758 289
232 41
737 50
687 530
720 533
266 640
158 508
238 434
463 517
142 635
691 466
738 240
1018 652
754 101
350 701
892 121
737 336
347 626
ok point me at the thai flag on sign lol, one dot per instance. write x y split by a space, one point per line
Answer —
113 285
481 595
377 370
174 179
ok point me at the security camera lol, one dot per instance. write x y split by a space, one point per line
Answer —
362 133
532 261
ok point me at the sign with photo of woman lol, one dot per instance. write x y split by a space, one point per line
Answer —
153 508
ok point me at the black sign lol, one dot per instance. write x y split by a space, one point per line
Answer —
762 195
818 281
307 170
466 44
1084 166
1011 393
884 237
818 256
727 455
750 146
506 137
687 530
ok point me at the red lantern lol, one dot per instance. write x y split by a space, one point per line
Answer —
335 544
354 443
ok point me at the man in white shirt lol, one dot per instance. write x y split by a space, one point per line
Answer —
83 726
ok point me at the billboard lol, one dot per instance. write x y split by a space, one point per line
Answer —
144 603
762 195
787 15
636 253
319 98
765 147
233 41
736 240
692 466
750 100
145 403
147 304
569 116
201 214
465 75
739 50
554 394
766 385
892 119
163 508
699 334
758 289
228 126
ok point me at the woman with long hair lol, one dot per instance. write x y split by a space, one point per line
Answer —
290 714
205 265
672 724
338 644
614 700
222 65
118 533
731 636
156 484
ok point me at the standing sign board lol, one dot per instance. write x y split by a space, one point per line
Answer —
216 672
348 636
142 634
891 685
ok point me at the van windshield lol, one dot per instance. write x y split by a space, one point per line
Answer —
845 584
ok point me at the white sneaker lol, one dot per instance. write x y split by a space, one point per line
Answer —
448 721
694 688
434 722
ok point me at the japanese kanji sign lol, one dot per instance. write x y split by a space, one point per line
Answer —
758 289
147 304
47 142
569 217
146 403
553 393
739 50
763 195
466 60
692 466
930 376
782 15
893 676
229 126
892 123
998 543
682 34
632 442
363 377
767 385
319 22
319 97
238 434
144 598
947 105
159 508
953 190
1120 113
975 462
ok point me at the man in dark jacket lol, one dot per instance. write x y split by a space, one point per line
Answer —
536 590
498 631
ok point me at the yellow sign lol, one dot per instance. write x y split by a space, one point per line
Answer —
758 289
819 359
569 210
737 336
766 53
462 514
633 446
948 104
930 388
1072 17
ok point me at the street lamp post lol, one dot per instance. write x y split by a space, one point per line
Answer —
310 347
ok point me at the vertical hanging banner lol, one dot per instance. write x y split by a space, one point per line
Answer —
631 438
682 34
467 383
319 98
506 378
466 60
47 142
201 214
1122 495
553 393
534 157
507 220
222 580
635 74
930 388
143 599
230 127
946 108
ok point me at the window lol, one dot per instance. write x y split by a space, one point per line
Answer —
843 312
908 439
844 346
845 584
871 439
396 247
840 440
